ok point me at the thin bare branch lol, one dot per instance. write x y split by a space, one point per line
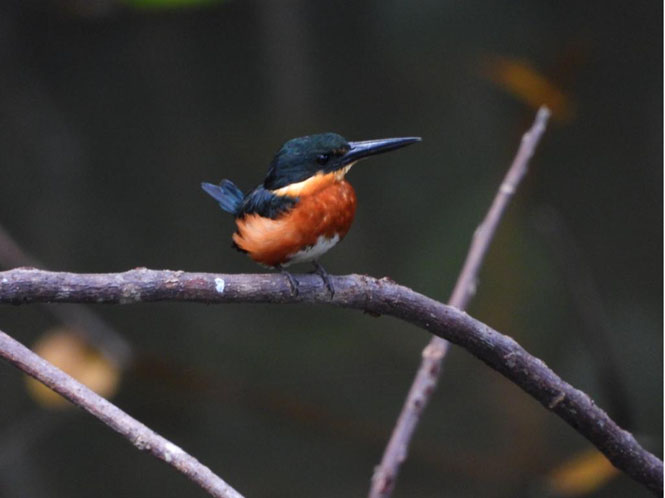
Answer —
596 327
376 296
84 322
427 377
138 434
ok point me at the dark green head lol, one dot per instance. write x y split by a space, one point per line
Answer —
303 157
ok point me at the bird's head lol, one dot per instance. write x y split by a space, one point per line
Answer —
302 158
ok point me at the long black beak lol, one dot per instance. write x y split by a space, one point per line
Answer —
367 148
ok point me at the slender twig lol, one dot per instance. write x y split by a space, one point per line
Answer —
427 377
11 254
80 319
138 434
375 296
596 327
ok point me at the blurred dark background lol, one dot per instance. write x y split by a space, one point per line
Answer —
112 113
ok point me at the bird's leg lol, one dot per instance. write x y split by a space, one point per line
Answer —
292 281
325 276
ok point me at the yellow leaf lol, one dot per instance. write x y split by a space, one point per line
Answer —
582 474
70 352
521 80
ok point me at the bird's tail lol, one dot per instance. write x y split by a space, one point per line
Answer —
227 194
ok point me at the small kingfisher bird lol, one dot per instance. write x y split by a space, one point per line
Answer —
304 207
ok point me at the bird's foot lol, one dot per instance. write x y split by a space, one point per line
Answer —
293 283
325 276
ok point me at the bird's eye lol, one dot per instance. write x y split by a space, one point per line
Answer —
323 159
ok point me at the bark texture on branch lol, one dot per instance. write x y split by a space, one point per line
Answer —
431 365
377 296
141 436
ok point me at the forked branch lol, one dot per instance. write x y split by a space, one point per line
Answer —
376 296
424 384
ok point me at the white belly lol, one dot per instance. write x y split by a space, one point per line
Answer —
311 253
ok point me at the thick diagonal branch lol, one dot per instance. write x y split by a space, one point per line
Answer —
426 379
377 296
138 434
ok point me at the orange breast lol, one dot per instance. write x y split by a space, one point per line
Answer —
328 211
